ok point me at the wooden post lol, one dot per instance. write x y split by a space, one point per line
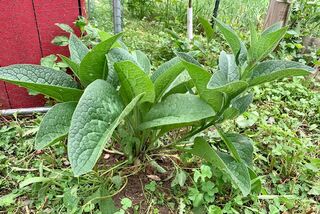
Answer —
278 11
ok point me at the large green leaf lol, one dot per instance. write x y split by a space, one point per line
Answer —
164 67
181 88
50 82
94 64
105 35
237 171
188 57
238 106
253 33
173 62
242 145
256 184
201 78
242 103
134 81
228 71
262 46
207 28
181 85
55 124
77 49
230 145
232 89
177 109
227 64
165 79
275 69
97 115
231 36
272 28
143 60
230 113
243 54
117 55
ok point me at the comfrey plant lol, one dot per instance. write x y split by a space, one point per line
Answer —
118 102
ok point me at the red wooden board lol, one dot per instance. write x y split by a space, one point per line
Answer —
27 28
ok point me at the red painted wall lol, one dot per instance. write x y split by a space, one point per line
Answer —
27 28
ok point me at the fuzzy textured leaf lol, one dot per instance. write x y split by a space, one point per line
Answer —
237 171
164 67
207 28
201 78
243 146
227 64
180 85
187 57
272 28
165 79
48 81
94 64
55 124
264 45
230 145
174 61
275 69
117 55
231 36
177 109
242 103
232 89
77 49
134 81
227 73
97 115
142 60
105 35
181 88
230 113
238 106
65 27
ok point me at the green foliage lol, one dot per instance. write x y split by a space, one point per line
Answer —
50 82
207 28
273 69
59 128
137 106
305 17
236 169
282 122
92 127
77 49
204 190
179 110
134 81
94 64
